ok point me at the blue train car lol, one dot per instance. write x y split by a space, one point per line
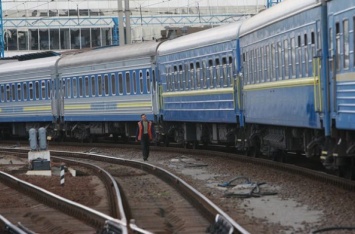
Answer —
282 82
199 95
25 94
341 26
106 90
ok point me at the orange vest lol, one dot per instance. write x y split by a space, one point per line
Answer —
140 125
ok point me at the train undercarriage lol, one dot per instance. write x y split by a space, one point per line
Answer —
337 153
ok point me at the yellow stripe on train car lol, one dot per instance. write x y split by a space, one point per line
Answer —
280 84
37 108
134 104
77 107
198 92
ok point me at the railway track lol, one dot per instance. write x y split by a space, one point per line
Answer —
41 211
158 208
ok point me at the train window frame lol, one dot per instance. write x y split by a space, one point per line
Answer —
30 89
141 84
154 81
273 62
128 82
13 92
19 92
198 75
106 85
120 83
134 81
113 84
8 93
286 59
175 78
337 46
75 87
68 87
25 93
267 71
93 85
260 64
181 77
37 90
346 44
293 57
87 86
80 87
204 74
280 60
218 72
49 89
99 85
192 76
147 78
2 90
43 89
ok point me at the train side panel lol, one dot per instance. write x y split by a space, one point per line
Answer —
342 62
281 86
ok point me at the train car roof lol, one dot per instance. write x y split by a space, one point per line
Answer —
109 54
276 13
202 38
28 65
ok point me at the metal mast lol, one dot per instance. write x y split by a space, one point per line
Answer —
2 45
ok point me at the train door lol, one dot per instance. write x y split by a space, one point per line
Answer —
332 61
154 90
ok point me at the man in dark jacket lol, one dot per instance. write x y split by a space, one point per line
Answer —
145 135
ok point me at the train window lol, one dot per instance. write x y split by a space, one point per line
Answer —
305 40
256 65
331 62
93 86
75 87
25 97
218 75
353 29
175 68
120 83
306 58
8 93
168 79
204 74
266 63
192 76
181 78
293 58
140 82
261 64
198 75
313 38
113 84
273 62
30 89
68 87
286 57
106 86
81 87
100 85
187 80
128 83
346 45
176 80
2 93
280 55
246 67
134 79
299 41
36 90
154 81
13 92
148 81
49 88
43 89
337 41
19 89
86 81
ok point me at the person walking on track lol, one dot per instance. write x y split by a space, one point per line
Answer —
145 135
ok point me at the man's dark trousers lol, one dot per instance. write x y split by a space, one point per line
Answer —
145 146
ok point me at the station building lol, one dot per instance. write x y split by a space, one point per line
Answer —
61 25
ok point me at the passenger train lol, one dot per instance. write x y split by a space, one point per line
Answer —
280 81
